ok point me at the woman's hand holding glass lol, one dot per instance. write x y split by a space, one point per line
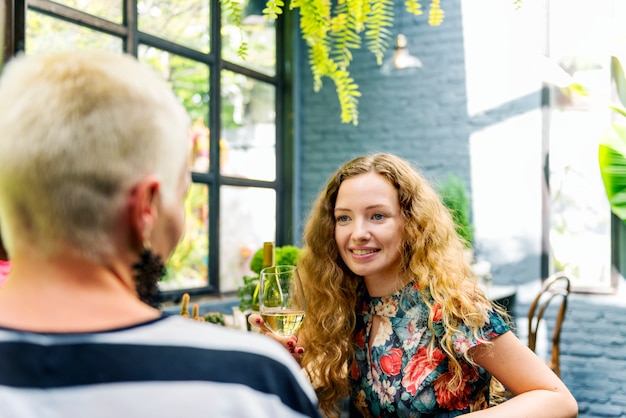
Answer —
282 306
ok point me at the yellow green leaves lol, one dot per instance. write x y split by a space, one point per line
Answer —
235 10
334 30
435 14
377 34
347 92
413 7
273 8
612 159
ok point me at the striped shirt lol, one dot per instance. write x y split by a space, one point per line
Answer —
168 367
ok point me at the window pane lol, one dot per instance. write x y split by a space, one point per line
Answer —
580 235
199 158
187 267
247 219
257 33
248 127
190 81
182 21
106 9
44 33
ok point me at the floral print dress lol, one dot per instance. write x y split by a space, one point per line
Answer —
395 379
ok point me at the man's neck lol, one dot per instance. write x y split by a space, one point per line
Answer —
67 294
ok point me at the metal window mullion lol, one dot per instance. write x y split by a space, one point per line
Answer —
214 144
77 17
249 72
15 28
174 48
131 43
283 150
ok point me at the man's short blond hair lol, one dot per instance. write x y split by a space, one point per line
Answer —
77 130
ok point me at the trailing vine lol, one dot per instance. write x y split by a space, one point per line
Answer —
273 8
435 14
235 9
377 34
334 29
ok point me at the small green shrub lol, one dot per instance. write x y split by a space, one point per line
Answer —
285 255
215 318
455 197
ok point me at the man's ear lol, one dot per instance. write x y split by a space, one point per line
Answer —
142 209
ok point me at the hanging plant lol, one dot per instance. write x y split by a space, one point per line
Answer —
333 30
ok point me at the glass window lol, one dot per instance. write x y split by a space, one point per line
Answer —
106 9
580 232
188 78
257 33
187 267
248 127
199 158
45 33
248 219
184 22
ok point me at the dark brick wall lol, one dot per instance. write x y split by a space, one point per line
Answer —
422 116
593 348
419 115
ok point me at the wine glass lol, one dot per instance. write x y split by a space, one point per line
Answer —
281 299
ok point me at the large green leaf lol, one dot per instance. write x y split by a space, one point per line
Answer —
612 159
612 149
620 81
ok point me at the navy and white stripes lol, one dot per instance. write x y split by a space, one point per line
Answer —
158 369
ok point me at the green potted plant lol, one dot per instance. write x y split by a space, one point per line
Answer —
612 148
285 255
212 316
455 197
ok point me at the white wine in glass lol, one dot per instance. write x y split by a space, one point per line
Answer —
281 299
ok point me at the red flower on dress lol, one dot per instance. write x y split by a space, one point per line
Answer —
391 363
460 397
419 367
359 339
354 370
470 373
437 312
451 399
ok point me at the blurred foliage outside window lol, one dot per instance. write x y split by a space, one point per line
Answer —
187 266
248 109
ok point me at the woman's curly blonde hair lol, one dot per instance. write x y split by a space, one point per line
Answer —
432 257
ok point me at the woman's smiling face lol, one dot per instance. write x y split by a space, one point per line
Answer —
368 230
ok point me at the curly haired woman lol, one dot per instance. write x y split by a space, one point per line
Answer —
395 319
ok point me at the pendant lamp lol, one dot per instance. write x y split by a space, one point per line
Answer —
401 58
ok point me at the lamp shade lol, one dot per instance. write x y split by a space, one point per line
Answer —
401 58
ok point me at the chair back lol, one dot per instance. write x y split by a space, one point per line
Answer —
555 286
